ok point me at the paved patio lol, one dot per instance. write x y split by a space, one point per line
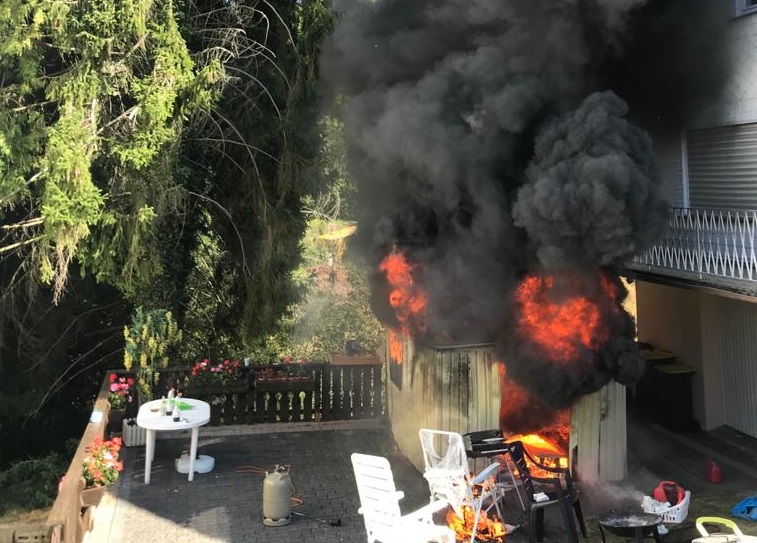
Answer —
225 505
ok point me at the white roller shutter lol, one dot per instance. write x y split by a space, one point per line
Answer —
722 167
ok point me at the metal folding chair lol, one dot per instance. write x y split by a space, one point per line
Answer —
449 476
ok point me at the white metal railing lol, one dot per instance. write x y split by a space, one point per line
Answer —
707 242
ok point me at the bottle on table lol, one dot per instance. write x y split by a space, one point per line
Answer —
170 403
163 406
176 410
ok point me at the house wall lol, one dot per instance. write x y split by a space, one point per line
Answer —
738 100
737 104
711 333
670 318
736 324
715 335
668 150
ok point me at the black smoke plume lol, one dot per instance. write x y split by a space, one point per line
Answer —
490 140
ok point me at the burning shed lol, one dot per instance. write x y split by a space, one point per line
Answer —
502 186
464 388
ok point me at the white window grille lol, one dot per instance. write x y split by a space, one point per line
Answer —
719 243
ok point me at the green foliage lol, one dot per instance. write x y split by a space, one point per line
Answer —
210 299
335 305
148 343
259 153
32 483
93 100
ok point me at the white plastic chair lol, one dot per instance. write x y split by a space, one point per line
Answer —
449 476
379 505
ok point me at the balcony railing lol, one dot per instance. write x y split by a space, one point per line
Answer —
708 243
69 518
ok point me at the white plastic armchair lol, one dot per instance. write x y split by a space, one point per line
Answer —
379 506
449 476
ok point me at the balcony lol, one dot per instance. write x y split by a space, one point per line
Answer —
707 247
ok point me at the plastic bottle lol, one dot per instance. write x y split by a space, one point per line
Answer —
170 402
176 410
163 406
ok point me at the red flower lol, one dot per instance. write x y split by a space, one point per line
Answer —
112 377
101 465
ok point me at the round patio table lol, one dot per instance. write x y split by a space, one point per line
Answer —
149 418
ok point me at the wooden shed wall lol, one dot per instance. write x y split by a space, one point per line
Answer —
598 442
454 389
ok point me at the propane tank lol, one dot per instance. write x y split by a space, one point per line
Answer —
277 497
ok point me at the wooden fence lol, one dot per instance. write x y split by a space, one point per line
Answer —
323 392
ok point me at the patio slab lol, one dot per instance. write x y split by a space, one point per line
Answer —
225 505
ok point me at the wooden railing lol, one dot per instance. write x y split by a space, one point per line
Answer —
324 393
68 520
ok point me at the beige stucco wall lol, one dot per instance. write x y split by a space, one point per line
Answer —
670 319
710 378
686 322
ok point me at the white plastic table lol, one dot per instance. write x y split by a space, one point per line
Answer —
149 417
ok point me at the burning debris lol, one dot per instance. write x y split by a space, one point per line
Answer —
502 180
489 529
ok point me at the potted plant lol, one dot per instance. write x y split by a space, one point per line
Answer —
120 397
100 468
207 377
148 343
284 376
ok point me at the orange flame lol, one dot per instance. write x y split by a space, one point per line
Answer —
489 529
549 443
406 297
396 351
562 327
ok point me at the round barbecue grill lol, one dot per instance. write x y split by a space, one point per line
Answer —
636 525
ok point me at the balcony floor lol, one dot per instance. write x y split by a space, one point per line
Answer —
225 505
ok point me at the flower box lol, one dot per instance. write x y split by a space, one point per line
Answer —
208 378
91 496
354 360
285 384
210 389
